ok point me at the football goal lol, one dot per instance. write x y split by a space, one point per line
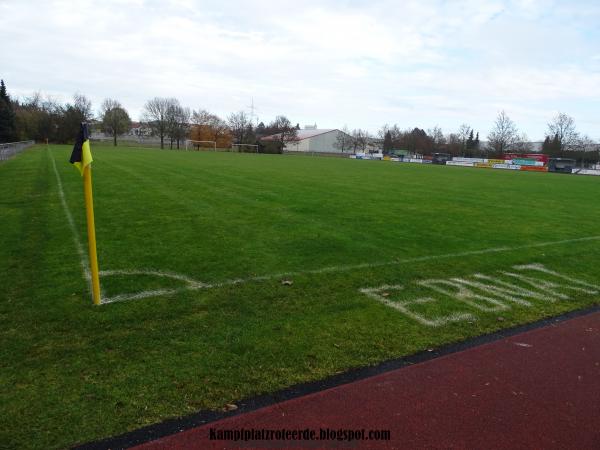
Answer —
199 145
240 147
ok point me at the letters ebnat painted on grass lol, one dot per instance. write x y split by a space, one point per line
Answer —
522 285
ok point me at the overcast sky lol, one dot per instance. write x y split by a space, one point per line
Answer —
331 62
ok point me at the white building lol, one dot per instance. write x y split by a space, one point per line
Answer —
315 140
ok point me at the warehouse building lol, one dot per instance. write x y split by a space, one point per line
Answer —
316 140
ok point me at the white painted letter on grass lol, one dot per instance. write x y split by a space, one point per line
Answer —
458 291
404 306
589 288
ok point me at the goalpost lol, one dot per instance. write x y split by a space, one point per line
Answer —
199 145
239 146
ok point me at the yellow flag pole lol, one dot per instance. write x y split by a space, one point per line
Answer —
91 229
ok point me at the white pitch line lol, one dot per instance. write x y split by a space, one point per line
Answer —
159 273
191 284
140 295
346 268
80 251
197 285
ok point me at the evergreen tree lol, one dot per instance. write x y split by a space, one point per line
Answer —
476 142
556 148
250 134
260 130
547 145
470 141
7 116
387 142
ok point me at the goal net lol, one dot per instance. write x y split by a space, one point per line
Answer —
245 147
199 145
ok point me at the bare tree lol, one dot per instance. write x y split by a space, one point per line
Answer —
522 144
454 144
209 126
463 134
562 127
285 131
83 106
202 117
178 123
395 133
587 144
70 117
503 135
584 150
240 125
360 139
156 114
183 125
40 117
343 141
115 119
383 131
437 137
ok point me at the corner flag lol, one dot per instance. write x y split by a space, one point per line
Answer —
81 158
82 155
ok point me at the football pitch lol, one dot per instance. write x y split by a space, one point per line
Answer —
229 275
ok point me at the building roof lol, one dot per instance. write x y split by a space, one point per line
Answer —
302 134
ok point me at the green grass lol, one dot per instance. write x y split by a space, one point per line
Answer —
72 372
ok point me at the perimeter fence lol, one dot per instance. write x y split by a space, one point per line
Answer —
10 149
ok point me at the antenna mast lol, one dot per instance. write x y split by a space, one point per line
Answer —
253 115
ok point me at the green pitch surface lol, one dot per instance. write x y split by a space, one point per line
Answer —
195 247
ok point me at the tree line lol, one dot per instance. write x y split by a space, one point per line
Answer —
43 118
168 120
562 140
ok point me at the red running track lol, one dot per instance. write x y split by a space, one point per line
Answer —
535 390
